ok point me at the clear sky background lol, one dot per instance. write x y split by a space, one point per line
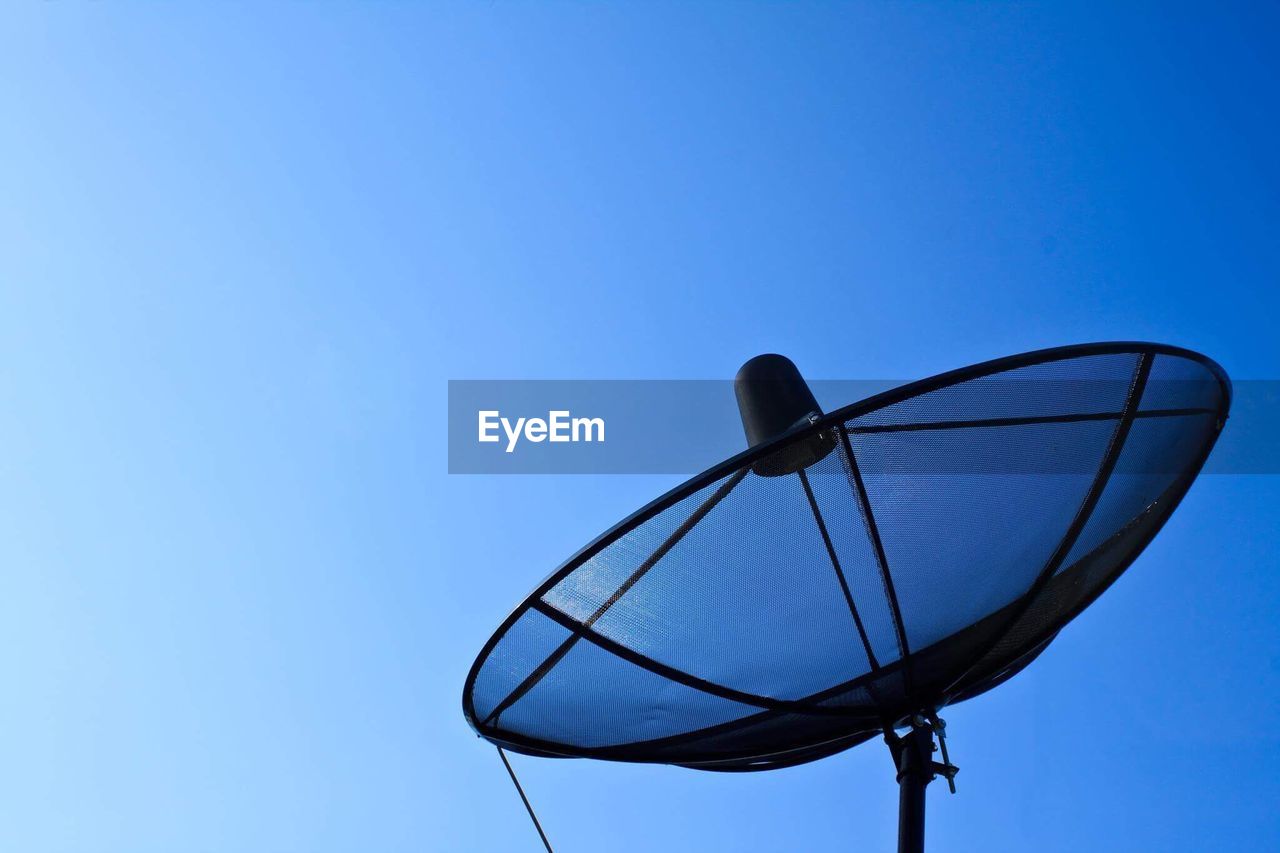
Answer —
244 245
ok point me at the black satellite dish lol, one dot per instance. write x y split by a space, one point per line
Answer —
853 573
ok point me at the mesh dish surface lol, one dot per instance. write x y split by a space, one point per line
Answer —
743 622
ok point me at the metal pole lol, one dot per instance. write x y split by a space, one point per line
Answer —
913 754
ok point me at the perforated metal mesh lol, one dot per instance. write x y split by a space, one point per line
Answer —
746 622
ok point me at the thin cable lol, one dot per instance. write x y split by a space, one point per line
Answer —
525 800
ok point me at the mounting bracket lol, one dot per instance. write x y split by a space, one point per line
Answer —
913 758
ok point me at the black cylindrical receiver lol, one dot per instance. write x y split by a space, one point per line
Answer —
774 399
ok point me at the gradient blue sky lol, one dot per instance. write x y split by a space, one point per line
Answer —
244 245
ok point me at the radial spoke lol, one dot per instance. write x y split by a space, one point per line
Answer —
643 661
835 564
864 501
1137 385
670 542
872 429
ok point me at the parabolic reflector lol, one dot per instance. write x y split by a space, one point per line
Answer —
940 537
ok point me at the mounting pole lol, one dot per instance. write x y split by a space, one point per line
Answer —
913 756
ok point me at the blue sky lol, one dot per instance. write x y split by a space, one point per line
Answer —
244 246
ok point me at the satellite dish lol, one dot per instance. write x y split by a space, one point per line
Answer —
853 573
